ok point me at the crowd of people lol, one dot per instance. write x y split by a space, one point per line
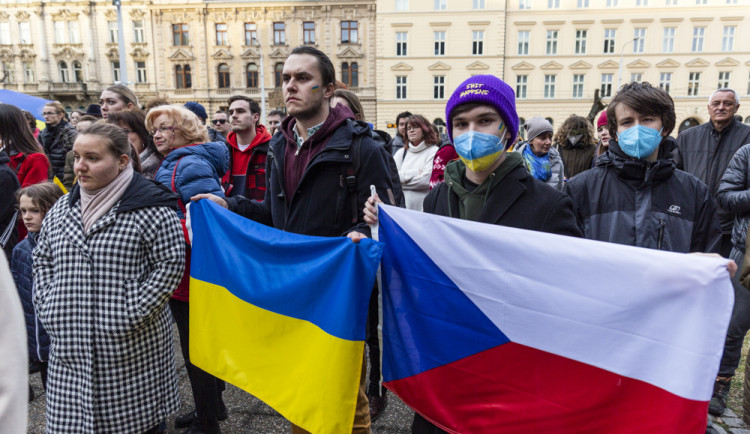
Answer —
103 271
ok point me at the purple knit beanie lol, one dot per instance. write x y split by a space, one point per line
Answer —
490 90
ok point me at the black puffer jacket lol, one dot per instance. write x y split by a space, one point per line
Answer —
706 153
8 186
21 268
734 195
322 203
57 141
646 204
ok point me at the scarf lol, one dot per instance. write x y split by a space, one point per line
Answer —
96 203
539 167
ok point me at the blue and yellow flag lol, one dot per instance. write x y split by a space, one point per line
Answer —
281 315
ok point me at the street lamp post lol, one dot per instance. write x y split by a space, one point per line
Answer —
121 43
622 52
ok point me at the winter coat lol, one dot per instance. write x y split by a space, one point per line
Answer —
102 297
414 165
13 380
246 174
396 197
21 268
517 200
705 153
555 164
150 161
57 141
9 185
646 204
31 169
443 156
69 176
331 194
734 195
577 158
215 136
397 143
196 168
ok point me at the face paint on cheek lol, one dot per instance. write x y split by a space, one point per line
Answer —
315 88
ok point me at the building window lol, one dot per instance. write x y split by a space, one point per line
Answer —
668 43
138 33
28 72
439 43
748 85
581 41
477 47
183 78
440 5
24 32
60 32
401 43
701 2
606 89
402 5
77 72
724 79
251 35
727 42
308 30
553 4
639 35
583 3
438 88
279 33
4 33
609 40
523 42
636 77
223 76
74 34
140 69
350 74
611 3
641 2
252 75
549 86
180 34
115 71
671 2
278 69
694 83
665 81
349 32
222 38
551 41
478 4
578 86
698 33
524 4
62 67
112 31
521 82
8 73
400 87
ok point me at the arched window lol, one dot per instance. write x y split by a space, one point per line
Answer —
64 73
188 77
182 77
252 75
747 120
77 72
224 76
687 124
277 70
350 74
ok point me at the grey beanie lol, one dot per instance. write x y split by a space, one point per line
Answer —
536 126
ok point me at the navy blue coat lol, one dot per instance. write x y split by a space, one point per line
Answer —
21 268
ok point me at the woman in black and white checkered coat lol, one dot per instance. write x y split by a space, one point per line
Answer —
108 257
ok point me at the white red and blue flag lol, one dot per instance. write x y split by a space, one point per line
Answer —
494 329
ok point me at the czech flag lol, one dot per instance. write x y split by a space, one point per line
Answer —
495 329
281 315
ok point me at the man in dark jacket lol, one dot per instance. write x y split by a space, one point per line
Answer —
200 111
705 150
8 186
248 147
57 139
319 170
488 184
633 197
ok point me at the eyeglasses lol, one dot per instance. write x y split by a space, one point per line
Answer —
162 130
410 128
219 121
49 113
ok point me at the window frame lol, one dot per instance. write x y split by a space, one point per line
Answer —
181 34
350 29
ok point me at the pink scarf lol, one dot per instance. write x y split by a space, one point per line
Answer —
96 203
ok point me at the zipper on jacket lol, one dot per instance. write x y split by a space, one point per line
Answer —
660 236
281 186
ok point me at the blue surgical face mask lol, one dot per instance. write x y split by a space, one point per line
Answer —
639 141
479 151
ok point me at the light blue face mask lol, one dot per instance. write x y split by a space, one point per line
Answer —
639 141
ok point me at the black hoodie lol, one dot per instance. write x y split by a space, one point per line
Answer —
8 186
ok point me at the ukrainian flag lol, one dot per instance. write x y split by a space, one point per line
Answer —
281 315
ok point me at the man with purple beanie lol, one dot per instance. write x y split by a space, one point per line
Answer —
487 183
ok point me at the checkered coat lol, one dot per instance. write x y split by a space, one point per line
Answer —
102 298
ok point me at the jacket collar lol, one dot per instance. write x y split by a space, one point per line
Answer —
141 193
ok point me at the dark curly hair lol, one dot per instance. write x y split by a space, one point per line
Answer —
575 122
646 100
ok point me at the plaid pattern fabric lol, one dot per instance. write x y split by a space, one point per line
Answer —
102 298
256 178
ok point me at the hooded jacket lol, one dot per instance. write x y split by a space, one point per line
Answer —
21 268
247 169
555 164
645 204
335 183
576 159
57 141
705 153
196 169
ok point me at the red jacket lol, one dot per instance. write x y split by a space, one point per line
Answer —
247 169
31 169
